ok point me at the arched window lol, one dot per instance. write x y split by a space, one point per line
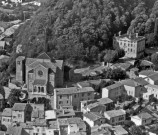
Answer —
42 89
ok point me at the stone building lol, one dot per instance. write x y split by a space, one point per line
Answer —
133 44
41 74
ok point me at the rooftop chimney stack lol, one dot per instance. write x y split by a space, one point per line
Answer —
129 35
119 33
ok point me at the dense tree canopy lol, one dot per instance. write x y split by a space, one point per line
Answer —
82 29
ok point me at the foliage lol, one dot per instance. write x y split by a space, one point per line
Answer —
78 29
14 97
154 58
2 91
116 74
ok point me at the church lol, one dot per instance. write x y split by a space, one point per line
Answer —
40 75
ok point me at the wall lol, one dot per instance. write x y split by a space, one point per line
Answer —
6 121
89 122
39 130
16 117
137 121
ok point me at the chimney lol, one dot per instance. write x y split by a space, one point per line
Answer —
136 35
103 63
119 33
129 35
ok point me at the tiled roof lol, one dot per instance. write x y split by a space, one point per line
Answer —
2 43
144 115
78 121
16 131
53 125
19 107
119 130
38 114
62 121
72 90
93 116
152 86
39 82
94 105
37 106
7 112
141 81
113 86
130 82
65 113
133 37
39 122
147 72
154 76
105 101
78 133
146 63
43 56
115 113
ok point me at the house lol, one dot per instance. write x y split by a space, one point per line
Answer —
16 131
2 45
39 126
145 64
41 74
99 105
37 114
65 113
76 125
152 79
143 118
101 132
94 107
134 87
4 58
115 117
21 112
118 130
53 128
72 96
132 44
113 91
146 73
133 73
94 118
6 117
152 91
123 66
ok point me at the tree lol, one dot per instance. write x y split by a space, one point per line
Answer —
154 58
120 53
14 97
115 74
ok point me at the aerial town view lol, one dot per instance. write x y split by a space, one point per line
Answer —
78 67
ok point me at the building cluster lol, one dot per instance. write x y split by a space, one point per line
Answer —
53 106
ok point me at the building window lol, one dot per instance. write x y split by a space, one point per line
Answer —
39 90
19 115
18 62
3 119
82 94
60 97
75 96
37 129
67 102
68 96
35 90
42 89
89 94
60 102
40 73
